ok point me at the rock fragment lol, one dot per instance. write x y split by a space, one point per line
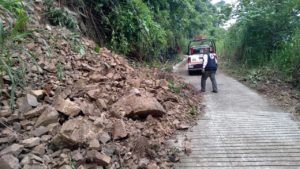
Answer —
76 132
8 161
101 104
65 167
183 126
40 131
32 100
94 94
35 112
39 94
49 116
14 149
66 107
152 166
104 137
119 130
98 78
94 144
142 106
31 142
100 159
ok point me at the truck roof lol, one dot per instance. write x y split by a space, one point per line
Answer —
199 38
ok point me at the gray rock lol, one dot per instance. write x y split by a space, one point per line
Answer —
14 149
76 132
23 105
77 156
8 139
101 104
32 159
31 142
66 107
32 100
39 150
40 131
49 116
35 112
8 161
35 166
119 130
39 94
98 158
104 137
5 113
46 138
65 167
138 105
94 144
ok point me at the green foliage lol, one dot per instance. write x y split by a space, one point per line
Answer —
193 110
59 71
97 49
175 88
266 34
135 24
59 16
11 5
77 46
150 30
71 162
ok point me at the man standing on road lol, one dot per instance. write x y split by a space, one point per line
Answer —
210 66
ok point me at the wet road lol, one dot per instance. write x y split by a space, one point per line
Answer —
240 129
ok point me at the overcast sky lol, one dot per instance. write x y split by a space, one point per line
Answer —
230 21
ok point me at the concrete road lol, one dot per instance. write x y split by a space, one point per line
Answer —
240 129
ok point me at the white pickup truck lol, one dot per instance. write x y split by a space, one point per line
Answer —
198 47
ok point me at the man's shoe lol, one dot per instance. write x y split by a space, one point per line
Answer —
202 91
215 91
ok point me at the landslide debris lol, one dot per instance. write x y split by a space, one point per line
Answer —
88 110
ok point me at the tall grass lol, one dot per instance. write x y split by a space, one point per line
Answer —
9 35
287 60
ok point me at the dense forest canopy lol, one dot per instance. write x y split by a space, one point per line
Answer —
150 29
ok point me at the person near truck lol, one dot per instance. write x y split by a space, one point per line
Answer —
210 66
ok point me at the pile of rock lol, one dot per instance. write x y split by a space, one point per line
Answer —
88 109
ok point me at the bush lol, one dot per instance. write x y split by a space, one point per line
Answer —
59 16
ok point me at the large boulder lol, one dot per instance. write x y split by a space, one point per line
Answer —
138 104
76 132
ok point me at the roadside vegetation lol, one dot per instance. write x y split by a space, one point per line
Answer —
140 29
264 43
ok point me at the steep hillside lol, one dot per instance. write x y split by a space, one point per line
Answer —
67 103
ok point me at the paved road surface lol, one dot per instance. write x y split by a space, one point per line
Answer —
240 129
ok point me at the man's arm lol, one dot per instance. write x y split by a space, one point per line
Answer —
205 58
